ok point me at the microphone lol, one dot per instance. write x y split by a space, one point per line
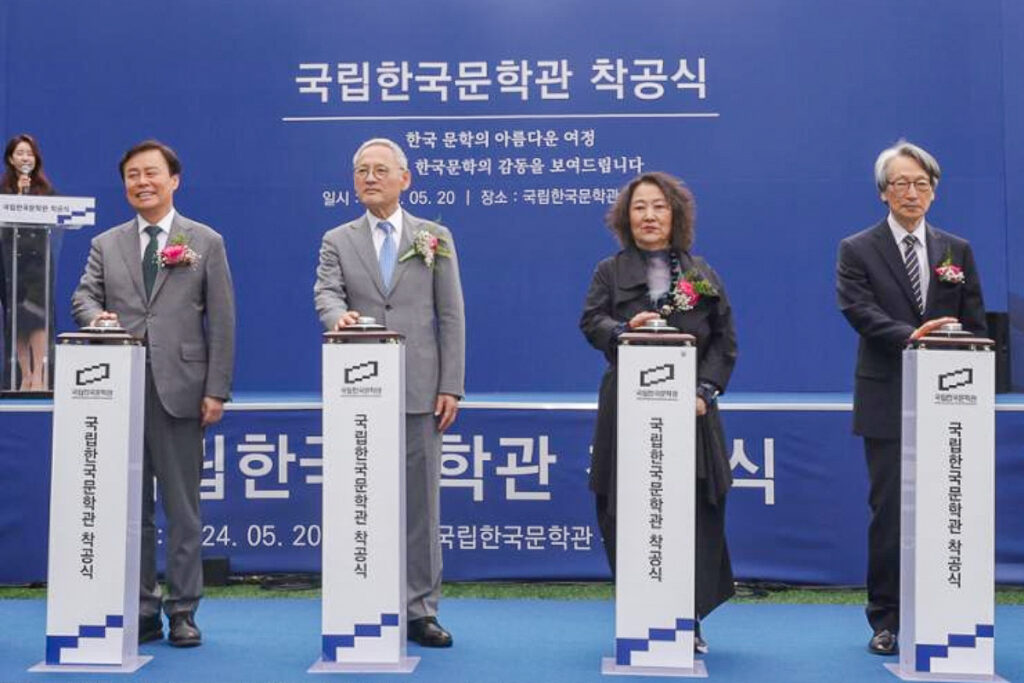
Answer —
25 169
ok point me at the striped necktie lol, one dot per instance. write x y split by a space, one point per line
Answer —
388 254
913 269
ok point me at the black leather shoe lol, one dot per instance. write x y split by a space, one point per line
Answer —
428 633
150 628
883 643
184 632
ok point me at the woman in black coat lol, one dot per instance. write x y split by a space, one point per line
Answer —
655 275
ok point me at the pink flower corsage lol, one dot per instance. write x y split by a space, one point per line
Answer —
948 271
687 292
685 295
428 246
177 254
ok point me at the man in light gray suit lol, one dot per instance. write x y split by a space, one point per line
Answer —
165 278
370 266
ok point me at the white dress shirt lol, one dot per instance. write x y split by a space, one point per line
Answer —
161 239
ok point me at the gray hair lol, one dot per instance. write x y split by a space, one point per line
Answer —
902 148
403 161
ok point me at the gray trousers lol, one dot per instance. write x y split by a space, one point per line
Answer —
173 453
422 514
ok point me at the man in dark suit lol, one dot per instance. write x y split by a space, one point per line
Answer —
369 266
165 279
891 292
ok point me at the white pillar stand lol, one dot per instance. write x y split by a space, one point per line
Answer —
363 548
92 609
654 585
947 573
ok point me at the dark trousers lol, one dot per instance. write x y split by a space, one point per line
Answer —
883 458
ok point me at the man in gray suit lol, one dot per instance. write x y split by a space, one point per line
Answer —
165 278
370 266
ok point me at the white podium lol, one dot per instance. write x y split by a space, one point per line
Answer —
363 548
947 551
655 527
95 505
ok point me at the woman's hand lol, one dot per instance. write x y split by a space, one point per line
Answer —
24 183
702 407
640 319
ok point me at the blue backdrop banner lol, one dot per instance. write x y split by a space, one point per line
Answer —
522 120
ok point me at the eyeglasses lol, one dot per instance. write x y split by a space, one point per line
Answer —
902 186
377 172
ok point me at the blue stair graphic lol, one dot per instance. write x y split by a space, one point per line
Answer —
925 653
625 647
331 642
54 644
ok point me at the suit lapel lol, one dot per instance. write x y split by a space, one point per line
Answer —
177 228
131 253
937 246
631 280
363 241
410 226
886 246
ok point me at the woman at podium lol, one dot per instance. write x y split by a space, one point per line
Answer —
23 174
656 275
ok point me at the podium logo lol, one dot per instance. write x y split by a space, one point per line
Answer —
948 381
361 372
657 375
92 374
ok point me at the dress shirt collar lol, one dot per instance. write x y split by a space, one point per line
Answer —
899 232
394 219
164 224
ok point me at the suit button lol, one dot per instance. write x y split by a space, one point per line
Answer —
387 307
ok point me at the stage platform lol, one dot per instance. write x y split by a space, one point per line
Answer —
499 641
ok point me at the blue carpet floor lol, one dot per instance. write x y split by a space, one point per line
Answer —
501 640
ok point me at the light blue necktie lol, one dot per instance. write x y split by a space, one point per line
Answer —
388 254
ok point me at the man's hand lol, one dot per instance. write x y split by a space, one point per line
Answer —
105 315
930 326
445 409
211 410
347 318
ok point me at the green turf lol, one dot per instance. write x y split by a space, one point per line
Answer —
276 587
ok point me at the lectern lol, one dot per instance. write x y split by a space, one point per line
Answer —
31 227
